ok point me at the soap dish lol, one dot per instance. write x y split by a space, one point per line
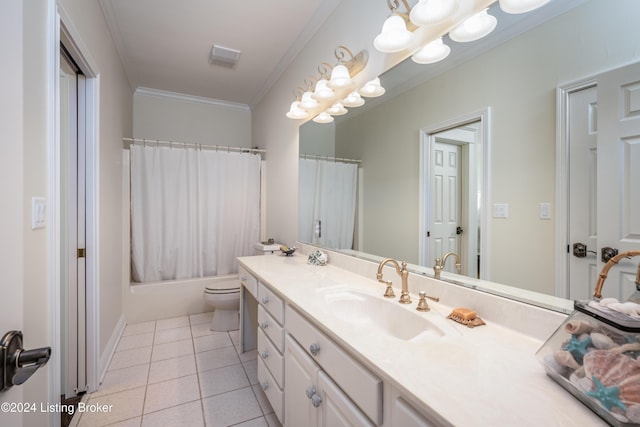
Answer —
287 250
466 316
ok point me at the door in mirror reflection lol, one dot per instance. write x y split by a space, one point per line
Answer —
452 167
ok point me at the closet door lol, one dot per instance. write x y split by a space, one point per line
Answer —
619 174
72 227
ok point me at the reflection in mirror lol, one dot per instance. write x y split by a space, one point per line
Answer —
517 78
453 169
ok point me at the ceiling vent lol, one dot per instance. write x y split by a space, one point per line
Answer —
224 56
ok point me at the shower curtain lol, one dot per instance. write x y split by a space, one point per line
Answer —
192 211
327 194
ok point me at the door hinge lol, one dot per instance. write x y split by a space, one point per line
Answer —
81 252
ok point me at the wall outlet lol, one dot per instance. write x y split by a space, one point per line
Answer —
500 210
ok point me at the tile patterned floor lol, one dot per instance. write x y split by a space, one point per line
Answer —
176 372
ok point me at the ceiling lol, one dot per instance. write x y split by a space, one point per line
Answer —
165 45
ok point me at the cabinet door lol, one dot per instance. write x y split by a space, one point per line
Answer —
336 409
405 415
301 375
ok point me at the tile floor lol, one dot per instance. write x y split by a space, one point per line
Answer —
176 372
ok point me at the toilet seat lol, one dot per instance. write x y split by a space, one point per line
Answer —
221 288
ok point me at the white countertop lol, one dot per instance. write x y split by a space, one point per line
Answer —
483 376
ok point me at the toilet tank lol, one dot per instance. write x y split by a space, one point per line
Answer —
267 248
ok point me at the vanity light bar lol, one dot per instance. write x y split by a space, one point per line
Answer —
325 97
440 16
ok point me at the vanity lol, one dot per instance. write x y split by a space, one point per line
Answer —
333 351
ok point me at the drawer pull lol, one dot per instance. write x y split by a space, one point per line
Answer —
265 300
264 354
311 391
265 386
316 400
314 349
264 325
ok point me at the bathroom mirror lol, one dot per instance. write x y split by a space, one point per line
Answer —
516 83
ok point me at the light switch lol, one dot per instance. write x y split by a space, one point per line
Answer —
500 210
545 210
38 212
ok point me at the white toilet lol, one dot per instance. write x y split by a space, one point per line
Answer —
224 297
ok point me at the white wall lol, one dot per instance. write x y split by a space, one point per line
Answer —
171 117
115 122
26 105
37 332
318 139
11 184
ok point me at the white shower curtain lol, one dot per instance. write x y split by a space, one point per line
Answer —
192 211
327 194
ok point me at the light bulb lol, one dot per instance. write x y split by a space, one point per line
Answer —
394 36
429 12
372 88
432 52
521 6
296 112
474 28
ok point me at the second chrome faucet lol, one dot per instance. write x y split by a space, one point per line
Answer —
404 274
437 269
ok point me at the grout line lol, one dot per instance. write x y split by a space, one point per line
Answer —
197 373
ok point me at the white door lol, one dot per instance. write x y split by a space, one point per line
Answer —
583 196
72 228
446 201
619 173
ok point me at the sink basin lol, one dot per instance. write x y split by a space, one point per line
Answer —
368 312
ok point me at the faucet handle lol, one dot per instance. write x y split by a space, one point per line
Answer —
388 293
422 303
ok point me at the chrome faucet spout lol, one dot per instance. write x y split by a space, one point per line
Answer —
440 263
401 269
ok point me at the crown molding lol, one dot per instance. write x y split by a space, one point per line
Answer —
192 98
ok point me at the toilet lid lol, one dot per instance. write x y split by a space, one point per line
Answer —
222 288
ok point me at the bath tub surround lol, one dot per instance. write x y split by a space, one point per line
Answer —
446 372
150 301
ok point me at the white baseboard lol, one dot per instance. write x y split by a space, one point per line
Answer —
107 355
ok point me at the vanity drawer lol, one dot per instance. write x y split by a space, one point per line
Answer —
364 388
271 357
271 328
272 302
248 281
270 387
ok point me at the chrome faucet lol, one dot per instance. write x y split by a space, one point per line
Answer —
597 293
441 263
404 274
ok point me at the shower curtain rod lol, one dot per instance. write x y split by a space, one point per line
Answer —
129 141
332 159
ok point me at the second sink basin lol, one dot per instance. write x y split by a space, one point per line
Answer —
387 316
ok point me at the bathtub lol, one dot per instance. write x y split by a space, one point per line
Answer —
172 298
